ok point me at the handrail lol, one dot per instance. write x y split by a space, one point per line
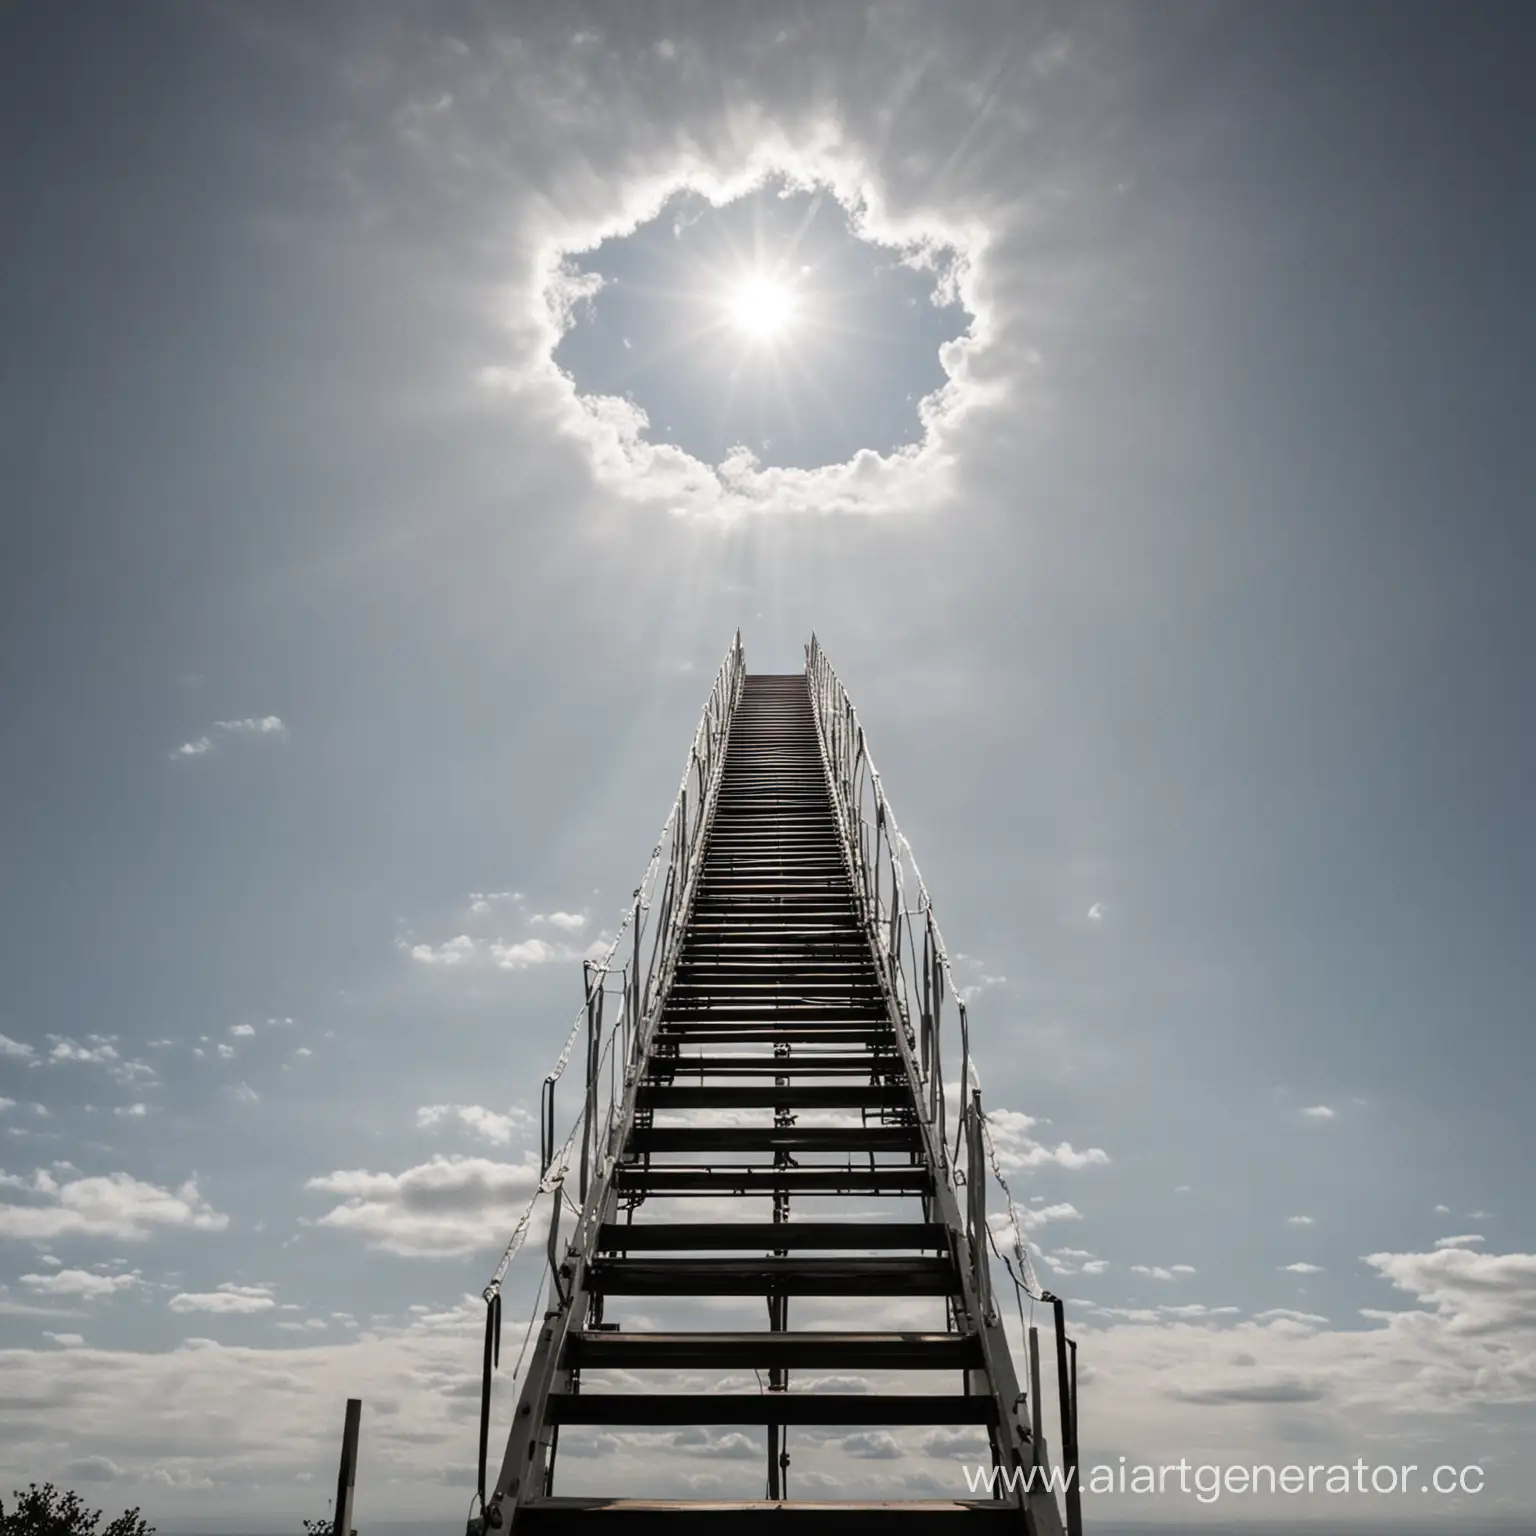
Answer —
898 911
612 1044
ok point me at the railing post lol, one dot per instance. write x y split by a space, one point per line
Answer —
346 1478
1066 1395
588 1129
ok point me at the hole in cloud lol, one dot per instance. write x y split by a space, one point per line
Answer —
769 323
770 339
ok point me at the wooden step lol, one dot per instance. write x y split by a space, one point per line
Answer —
772 1276
660 1517
768 1351
842 1408
699 1236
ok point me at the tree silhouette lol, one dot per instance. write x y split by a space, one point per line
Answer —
48 1511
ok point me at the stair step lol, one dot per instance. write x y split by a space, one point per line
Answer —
770 1138
664 1236
766 1351
660 1517
661 1182
843 1408
779 1277
766 1096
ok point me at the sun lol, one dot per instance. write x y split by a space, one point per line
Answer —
761 307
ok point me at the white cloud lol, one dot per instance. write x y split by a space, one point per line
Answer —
447 1207
496 1128
247 1095
1442 1210
227 1298
265 725
65 1340
19 1048
1158 1272
67 1050
113 1205
1096 912
1298 1221
1463 1240
1319 1112
81 1283
454 952
569 921
1302 1269
6 1104
1017 1149
252 727
135 1111
519 956
242 1030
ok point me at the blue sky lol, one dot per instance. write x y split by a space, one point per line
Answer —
1199 600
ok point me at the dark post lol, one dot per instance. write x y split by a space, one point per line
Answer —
1068 1423
1036 1414
347 1477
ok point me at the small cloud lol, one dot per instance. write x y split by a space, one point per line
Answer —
1464 1240
454 952
226 1050
226 730
228 1298
17 1048
1299 1221
78 1283
247 1095
131 1111
242 1029
65 1340
1096 912
1319 1112
569 921
67 1050
1302 1269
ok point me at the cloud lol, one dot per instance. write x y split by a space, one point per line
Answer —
80 1283
1474 1293
67 1050
17 1048
1464 1240
447 1207
1282 1391
571 922
65 1340
503 954
1298 1221
136 1111
1302 1268
499 1129
227 1298
1017 1149
1319 1112
113 1205
1158 1272
251 728
6 1104
242 1030
454 952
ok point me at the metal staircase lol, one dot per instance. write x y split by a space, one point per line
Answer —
769 1061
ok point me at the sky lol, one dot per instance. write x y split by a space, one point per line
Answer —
1146 438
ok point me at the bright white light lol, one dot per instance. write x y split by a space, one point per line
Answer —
761 307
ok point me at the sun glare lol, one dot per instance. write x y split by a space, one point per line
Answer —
761 308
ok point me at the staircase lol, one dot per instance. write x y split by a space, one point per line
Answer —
775 1081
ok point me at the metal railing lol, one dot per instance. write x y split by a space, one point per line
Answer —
622 993
920 979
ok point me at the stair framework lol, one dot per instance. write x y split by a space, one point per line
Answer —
775 1079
